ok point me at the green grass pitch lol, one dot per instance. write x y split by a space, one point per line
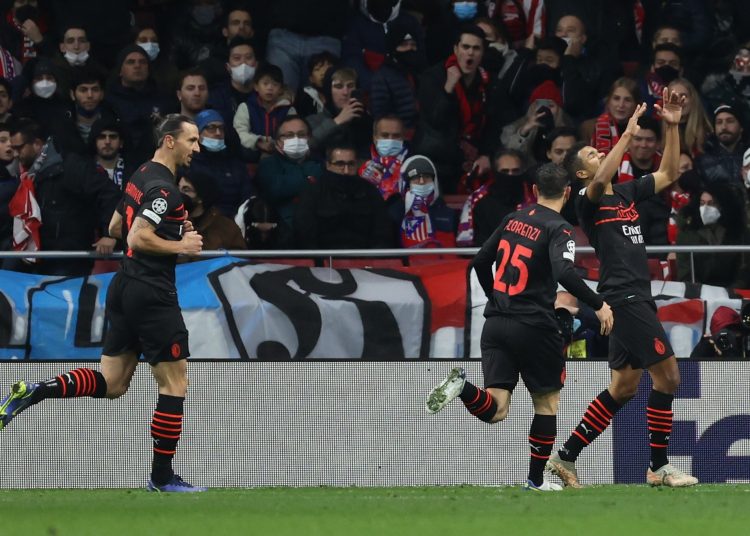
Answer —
596 510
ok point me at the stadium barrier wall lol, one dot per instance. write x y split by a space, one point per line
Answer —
348 423
240 310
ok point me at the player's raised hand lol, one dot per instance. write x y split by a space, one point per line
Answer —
671 110
192 243
633 127
606 320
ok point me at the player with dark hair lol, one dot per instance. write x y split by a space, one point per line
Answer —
145 317
608 216
533 249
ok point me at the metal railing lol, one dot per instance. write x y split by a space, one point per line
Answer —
332 254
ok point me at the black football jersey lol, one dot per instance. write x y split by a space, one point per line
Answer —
533 249
152 194
614 230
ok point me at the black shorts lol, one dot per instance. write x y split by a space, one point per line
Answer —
638 338
510 348
146 320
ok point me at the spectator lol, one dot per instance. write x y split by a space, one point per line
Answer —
310 99
301 29
284 175
559 142
365 46
229 173
6 101
642 156
498 55
76 201
74 54
8 186
527 134
731 86
388 153
522 19
227 96
509 190
200 195
342 210
394 84
666 66
163 70
425 220
694 124
624 95
344 115
715 217
87 93
237 23
197 33
256 119
23 31
192 92
108 139
667 34
453 16
722 158
262 227
452 115
45 104
134 98
725 324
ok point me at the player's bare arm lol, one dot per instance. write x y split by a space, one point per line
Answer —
115 225
603 177
142 237
670 112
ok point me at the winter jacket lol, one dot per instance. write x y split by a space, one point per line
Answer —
252 121
230 173
281 181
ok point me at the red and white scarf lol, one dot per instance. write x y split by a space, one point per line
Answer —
605 134
471 110
416 228
384 172
27 216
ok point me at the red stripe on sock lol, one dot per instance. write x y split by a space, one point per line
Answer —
165 436
655 445
603 423
160 451
602 407
78 382
538 456
594 411
63 382
655 429
662 411
576 432
178 429
476 398
543 442
92 381
169 415
600 430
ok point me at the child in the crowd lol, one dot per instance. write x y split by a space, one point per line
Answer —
310 99
256 119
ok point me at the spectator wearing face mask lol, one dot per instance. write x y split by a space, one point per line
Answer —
731 85
164 72
445 31
197 33
283 175
394 85
233 184
425 220
714 217
199 193
365 44
666 66
388 153
75 53
45 104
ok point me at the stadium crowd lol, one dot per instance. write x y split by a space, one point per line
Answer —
366 123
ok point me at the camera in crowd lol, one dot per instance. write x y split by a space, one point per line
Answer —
731 332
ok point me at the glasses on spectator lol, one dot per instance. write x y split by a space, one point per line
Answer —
213 128
343 164
301 134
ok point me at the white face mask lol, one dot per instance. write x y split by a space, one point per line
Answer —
243 73
746 178
44 89
76 59
152 49
296 148
567 40
502 48
709 214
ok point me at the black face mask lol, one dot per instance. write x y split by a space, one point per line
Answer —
412 60
492 60
380 10
667 73
510 186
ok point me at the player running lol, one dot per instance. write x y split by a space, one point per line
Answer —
533 249
608 216
142 307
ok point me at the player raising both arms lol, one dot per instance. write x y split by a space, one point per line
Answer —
608 216
533 249
142 307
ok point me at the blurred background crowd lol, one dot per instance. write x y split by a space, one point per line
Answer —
333 124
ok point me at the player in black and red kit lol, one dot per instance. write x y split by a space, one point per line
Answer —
608 216
533 249
142 307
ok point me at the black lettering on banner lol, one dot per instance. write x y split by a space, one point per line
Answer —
6 321
85 316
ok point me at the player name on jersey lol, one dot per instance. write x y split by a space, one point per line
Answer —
523 229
